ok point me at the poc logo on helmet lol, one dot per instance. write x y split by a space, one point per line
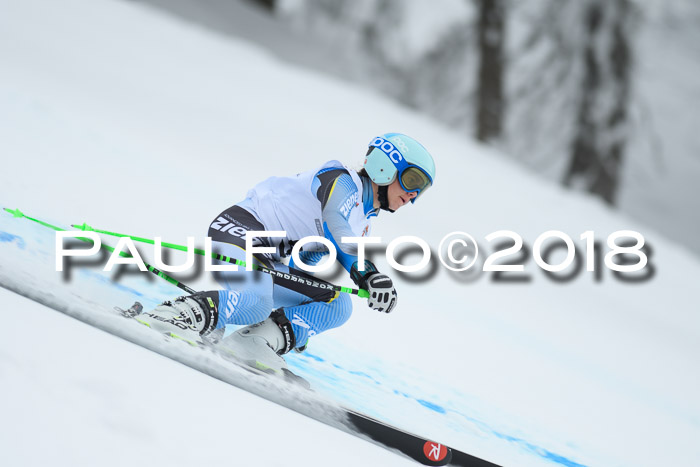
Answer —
388 148
400 144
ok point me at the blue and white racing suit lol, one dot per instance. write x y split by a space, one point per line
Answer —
332 201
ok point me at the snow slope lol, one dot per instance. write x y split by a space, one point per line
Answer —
85 397
113 115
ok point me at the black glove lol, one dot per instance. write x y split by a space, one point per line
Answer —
382 294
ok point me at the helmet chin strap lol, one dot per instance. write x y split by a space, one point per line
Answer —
383 194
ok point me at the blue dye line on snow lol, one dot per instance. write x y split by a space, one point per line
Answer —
6 237
523 444
106 280
544 453
315 357
335 365
427 404
364 375
431 406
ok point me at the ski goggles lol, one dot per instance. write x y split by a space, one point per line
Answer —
412 178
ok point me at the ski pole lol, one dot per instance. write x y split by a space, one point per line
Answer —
19 214
273 272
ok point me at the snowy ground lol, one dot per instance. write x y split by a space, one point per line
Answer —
85 397
113 115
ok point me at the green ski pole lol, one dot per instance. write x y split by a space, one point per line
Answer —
359 292
19 214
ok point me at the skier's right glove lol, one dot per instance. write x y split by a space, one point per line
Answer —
382 294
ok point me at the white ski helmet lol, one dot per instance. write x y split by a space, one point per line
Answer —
395 154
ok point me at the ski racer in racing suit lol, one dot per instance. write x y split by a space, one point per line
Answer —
332 201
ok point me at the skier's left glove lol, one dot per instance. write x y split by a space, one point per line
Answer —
382 294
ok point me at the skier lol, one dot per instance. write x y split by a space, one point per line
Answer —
332 201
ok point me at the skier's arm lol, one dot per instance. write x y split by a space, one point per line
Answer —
339 196
338 199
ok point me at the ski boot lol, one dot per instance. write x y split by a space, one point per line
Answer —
262 345
187 318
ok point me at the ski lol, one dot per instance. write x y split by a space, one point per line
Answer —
222 351
420 449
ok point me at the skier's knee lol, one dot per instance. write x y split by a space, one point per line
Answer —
342 308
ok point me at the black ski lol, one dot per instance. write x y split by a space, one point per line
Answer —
420 449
